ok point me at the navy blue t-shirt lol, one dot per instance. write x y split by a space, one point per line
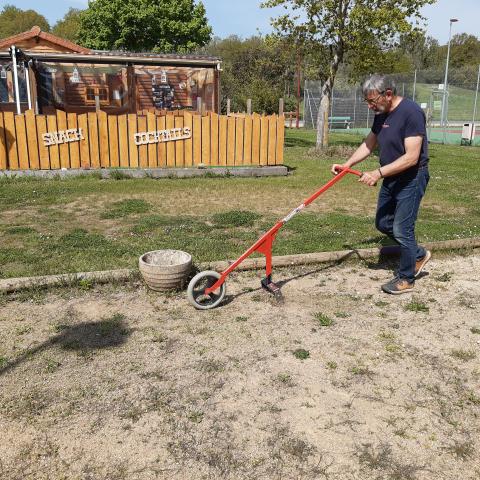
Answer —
391 129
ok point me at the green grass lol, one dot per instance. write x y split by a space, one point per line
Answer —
301 354
323 320
88 223
235 218
126 207
417 306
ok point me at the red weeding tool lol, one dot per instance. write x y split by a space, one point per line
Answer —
207 289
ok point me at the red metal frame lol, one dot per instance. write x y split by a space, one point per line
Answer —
265 242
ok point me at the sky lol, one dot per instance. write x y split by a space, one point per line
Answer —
245 17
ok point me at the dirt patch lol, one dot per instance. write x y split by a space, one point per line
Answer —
339 382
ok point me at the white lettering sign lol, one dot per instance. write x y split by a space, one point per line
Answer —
159 136
62 136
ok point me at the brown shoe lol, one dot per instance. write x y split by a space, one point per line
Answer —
396 286
420 264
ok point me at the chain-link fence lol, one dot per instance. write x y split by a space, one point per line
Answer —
446 119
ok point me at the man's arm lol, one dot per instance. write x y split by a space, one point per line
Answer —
413 146
360 154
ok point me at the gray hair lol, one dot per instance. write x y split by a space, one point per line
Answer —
378 83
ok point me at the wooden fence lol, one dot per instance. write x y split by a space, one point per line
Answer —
97 140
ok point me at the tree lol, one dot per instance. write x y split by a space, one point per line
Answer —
465 50
259 68
144 25
13 21
422 50
69 25
355 29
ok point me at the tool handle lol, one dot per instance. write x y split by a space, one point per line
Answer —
349 170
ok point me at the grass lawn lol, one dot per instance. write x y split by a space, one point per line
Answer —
87 223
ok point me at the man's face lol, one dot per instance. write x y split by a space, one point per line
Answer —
379 102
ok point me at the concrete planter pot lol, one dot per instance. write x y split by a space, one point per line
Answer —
165 270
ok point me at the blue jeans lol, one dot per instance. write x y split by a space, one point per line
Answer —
397 210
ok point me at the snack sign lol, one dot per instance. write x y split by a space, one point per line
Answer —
62 136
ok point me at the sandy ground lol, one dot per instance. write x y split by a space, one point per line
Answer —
338 382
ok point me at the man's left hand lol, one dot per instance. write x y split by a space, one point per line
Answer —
370 178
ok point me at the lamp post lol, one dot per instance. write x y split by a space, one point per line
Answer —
445 83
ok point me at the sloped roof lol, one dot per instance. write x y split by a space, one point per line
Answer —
83 54
166 56
49 37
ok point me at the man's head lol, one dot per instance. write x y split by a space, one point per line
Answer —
379 92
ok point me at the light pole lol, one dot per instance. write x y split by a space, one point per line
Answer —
445 83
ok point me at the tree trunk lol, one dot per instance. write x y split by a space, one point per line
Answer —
323 114
327 88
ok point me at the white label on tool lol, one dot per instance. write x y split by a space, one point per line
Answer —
293 213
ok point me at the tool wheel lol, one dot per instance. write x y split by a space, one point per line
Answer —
197 286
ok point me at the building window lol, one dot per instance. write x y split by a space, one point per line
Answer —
96 90
5 94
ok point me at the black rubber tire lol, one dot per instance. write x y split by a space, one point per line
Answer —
197 286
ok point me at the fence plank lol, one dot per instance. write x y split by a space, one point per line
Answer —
74 147
53 149
93 139
22 142
206 140
256 134
240 126
231 141
11 138
103 139
123 140
170 123
41 122
197 139
161 146
63 147
3 145
133 149
188 146
113 140
272 139
247 141
179 144
32 139
142 149
152 147
214 139
264 140
222 140
280 139
84 144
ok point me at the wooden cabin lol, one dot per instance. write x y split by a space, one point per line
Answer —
56 74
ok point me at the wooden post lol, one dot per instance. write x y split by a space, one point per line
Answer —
228 106
33 87
131 89
249 106
199 105
280 106
97 103
217 92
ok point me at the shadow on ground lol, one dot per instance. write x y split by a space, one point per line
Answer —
107 333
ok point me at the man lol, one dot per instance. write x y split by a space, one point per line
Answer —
399 131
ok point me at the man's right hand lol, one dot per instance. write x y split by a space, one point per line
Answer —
337 168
